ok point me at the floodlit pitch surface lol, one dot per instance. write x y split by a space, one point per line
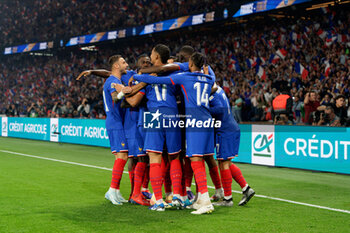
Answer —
40 195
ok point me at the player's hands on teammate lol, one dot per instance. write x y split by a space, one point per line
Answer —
126 90
205 70
118 87
121 88
131 80
84 74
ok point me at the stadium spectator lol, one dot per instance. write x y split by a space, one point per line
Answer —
53 20
11 111
268 112
84 108
282 104
258 105
98 111
235 54
68 109
339 108
348 112
33 110
282 119
310 106
328 118
297 107
40 108
57 108
326 99
237 103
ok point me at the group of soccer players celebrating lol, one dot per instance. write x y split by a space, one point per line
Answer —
188 118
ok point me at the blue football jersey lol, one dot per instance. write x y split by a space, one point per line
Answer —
142 107
159 95
125 77
196 88
220 109
115 114
211 72
142 110
131 114
185 68
130 122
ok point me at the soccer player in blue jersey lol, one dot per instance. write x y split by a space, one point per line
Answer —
184 55
112 94
138 171
182 66
227 146
136 143
199 124
143 61
161 101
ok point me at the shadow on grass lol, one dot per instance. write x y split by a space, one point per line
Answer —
129 217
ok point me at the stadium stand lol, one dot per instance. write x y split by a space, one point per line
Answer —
47 20
253 64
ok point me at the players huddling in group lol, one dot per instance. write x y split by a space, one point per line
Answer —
169 118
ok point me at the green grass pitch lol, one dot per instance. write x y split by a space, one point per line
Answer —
46 196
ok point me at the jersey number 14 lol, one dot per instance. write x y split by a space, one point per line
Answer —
202 95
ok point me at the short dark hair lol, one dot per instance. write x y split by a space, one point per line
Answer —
329 94
141 56
339 97
139 59
312 91
163 51
173 57
186 49
113 59
198 59
285 91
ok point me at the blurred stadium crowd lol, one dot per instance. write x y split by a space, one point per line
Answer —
254 62
43 20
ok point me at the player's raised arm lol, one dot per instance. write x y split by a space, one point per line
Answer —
214 88
101 73
160 69
211 72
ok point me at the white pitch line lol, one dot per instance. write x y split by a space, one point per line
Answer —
109 169
56 160
294 202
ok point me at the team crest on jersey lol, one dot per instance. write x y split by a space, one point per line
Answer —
123 144
140 149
